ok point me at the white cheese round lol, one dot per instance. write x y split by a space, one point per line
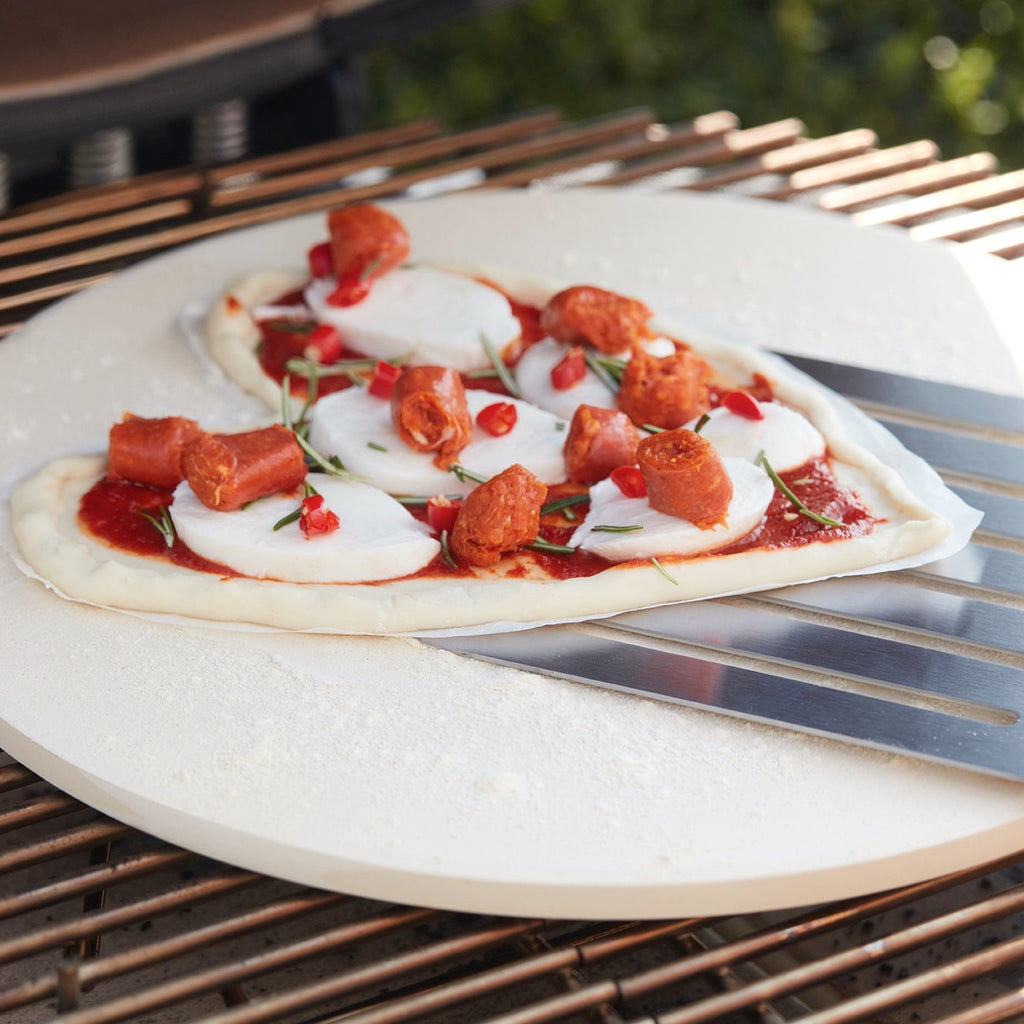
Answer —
357 427
787 438
661 534
377 538
533 375
423 315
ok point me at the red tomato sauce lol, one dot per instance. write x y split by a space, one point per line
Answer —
112 512
816 486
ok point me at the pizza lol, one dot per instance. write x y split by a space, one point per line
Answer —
449 449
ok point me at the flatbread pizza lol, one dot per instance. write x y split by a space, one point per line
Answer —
447 450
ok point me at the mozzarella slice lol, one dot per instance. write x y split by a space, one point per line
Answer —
533 375
377 540
357 427
423 315
661 534
787 438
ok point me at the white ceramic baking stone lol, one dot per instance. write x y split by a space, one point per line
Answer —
384 768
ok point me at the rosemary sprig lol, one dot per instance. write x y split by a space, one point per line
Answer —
342 368
376 447
446 553
503 372
164 524
652 429
560 504
602 528
288 519
420 500
763 462
664 572
606 368
332 465
540 544
464 474
308 490
699 425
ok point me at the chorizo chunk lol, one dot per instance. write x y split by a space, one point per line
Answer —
599 440
685 477
228 470
149 451
366 242
429 411
609 322
665 391
498 516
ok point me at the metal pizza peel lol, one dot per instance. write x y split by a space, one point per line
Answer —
926 662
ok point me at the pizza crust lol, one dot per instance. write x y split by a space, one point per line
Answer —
923 520
82 568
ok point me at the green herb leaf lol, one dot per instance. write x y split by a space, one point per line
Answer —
762 461
601 528
163 523
464 474
608 371
446 553
286 520
559 504
699 425
664 572
540 544
376 447
503 372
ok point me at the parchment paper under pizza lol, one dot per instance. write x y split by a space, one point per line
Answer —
451 450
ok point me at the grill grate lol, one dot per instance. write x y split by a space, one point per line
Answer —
101 923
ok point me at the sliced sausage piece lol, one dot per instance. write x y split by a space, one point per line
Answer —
598 441
586 314
366 242
428 409
148 451
665 391
685 477
499 516
227 470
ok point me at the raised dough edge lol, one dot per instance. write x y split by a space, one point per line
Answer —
45 526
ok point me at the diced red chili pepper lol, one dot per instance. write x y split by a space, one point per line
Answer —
569 370
442 512
324 344
497 419
352 288
321 262
382 383
315 517
629 480
744 404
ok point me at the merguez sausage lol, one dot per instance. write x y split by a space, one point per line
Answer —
148 451
228 470
428 409
685 477
366 242
498 516
610 322
598 441
665 391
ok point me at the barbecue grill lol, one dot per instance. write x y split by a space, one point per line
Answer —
101 922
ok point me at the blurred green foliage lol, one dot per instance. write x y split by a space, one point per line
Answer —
948 70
